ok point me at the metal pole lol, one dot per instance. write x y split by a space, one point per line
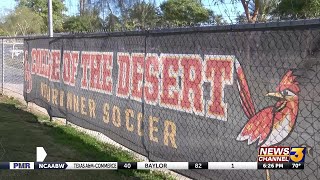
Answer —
50 24
2 68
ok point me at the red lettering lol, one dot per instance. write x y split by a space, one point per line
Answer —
34 58
70 66
170 89
66 67
107 72
151 89
41 62
123 85
74 67
45 63
95 81
192 93
137 75
85 62
27 73
219 72
55 68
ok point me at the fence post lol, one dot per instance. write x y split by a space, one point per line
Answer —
2 68
50 23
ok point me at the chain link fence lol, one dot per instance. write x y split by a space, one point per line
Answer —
12 82
198 94
11 66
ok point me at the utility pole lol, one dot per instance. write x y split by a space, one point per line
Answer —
50 24
82 6
2 68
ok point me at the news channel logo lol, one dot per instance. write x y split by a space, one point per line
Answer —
282 154
297 154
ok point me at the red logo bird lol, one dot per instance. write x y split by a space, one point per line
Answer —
273 124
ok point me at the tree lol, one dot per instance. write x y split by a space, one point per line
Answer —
241 18
22 21
117 11
112 23
120 8
216 19
295 9
41 7
2 32
129 14
255 10
184 12
266 9
143 15
251 13
83 6
88 21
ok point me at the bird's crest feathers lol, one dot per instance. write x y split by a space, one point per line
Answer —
289 82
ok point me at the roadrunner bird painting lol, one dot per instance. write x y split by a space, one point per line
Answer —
271 125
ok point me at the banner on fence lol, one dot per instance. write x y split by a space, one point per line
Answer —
183 97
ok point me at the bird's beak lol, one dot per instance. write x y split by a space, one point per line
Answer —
276 95
279 97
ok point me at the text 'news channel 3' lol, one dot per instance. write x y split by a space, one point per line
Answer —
281 157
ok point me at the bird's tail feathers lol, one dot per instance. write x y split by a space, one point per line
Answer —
245 96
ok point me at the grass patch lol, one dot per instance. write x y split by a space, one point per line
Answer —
21 132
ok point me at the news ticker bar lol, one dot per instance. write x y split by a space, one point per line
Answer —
149 165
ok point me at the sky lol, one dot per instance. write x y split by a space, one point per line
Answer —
228 11
6 5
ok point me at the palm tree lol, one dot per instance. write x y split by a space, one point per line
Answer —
216 19
241 18
143 15
266 7
112 22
